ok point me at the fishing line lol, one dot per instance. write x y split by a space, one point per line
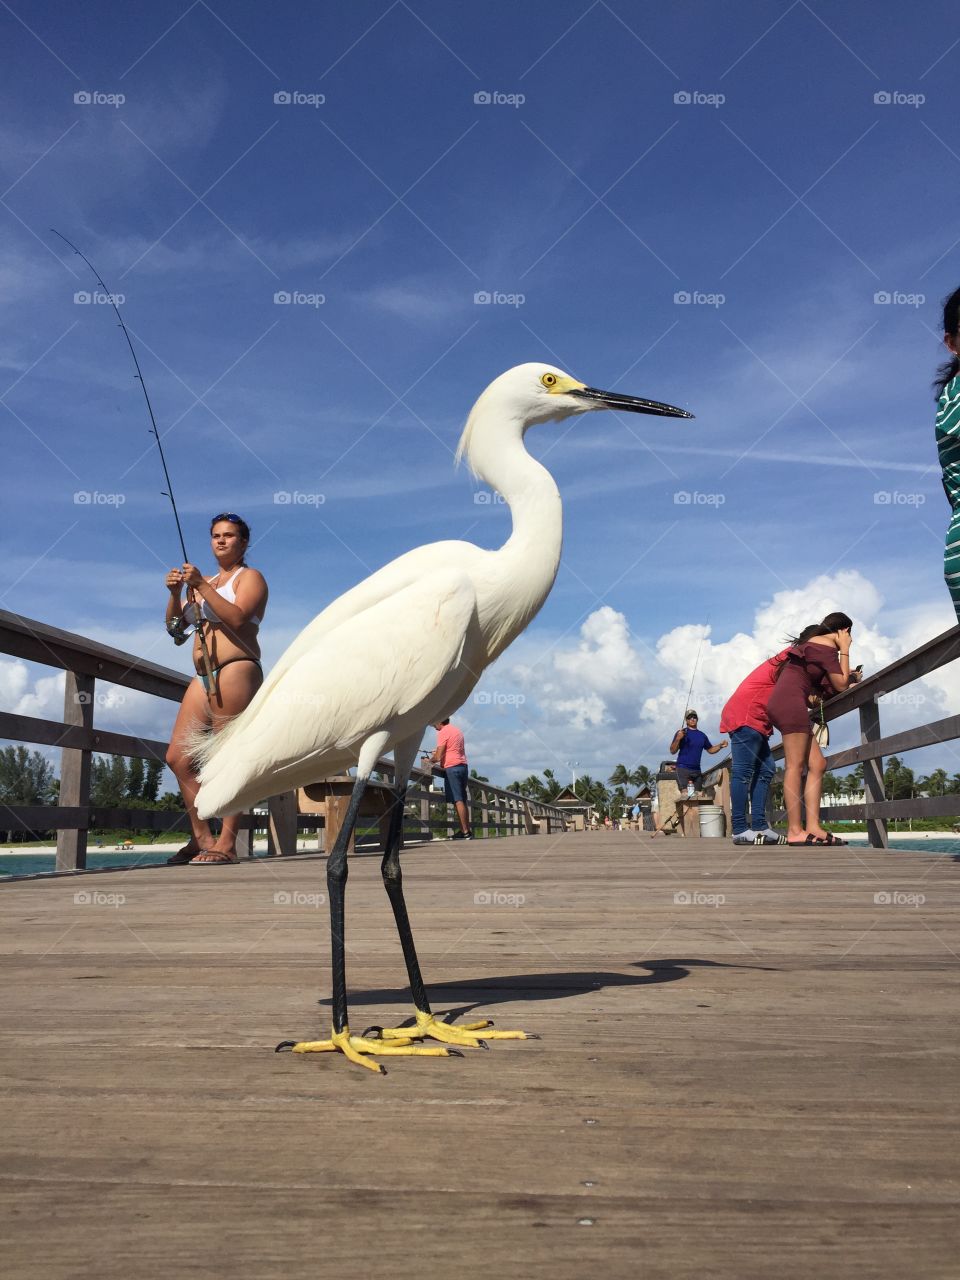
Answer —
178 632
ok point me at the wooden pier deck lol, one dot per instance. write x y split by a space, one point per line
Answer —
748 1068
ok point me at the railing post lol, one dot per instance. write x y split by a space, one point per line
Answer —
485 812
75 770
873 774
245 840
282 824
425 831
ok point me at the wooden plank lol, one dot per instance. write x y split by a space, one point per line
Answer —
39 642
753 1088
912 666
918 807
898 743
51 733
43 817
75 770
66 817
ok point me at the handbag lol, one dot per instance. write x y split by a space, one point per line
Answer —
821 730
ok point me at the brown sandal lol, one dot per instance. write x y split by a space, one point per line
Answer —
183 856
212 858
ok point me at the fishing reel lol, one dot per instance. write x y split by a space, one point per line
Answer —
180 630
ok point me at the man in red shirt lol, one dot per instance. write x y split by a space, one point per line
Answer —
449 754
744 718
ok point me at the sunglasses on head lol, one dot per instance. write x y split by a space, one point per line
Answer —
226 515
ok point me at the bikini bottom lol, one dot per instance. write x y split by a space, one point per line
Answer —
215 671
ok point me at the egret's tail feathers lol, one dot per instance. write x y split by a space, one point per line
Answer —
199 744
203 745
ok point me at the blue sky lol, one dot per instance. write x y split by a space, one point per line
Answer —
782 168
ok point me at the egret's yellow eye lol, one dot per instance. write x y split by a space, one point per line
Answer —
549 379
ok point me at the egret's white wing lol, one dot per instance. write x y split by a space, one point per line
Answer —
389 668
384 584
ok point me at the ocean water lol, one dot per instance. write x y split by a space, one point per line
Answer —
949 844
31 864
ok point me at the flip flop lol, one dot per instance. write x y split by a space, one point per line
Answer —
183 856
212 858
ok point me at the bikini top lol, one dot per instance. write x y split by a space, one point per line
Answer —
228 593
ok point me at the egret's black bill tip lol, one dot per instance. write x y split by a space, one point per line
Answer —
631 404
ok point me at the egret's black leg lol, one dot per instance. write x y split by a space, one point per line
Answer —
426 1025
337 872
393 883
357 1048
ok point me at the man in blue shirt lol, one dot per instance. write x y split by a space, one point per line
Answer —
691 743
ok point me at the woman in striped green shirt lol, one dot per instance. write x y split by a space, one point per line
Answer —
948 442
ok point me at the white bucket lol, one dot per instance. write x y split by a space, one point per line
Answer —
712 820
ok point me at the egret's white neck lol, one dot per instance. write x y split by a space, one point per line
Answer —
500 459
527 563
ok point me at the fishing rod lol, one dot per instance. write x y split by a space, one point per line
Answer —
693 675
176 629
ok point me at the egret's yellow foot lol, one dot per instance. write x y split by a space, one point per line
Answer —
355 1047
470 1034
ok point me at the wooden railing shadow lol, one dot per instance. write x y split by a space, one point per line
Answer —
494 811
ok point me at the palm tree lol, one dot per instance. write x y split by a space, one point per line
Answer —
552 786
593 792
853 782
621 776
935 784
641 776
898 783
644 777
832 785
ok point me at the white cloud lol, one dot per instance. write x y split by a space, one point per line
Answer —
604 697
414 301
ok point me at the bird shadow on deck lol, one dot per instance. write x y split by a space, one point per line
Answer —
476 993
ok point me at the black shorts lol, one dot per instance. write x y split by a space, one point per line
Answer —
687 775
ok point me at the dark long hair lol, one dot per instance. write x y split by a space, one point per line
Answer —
835 622
951 328
832 622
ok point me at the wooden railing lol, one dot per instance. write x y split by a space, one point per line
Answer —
864 698
493 810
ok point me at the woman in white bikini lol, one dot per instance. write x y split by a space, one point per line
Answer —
231 606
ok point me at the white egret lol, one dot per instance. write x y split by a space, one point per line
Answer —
398 652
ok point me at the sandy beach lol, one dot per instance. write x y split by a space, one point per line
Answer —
166 848
909 835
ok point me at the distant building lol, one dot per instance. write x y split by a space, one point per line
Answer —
580 811
858 797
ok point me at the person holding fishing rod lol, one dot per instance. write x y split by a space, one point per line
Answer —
225 612
690 742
